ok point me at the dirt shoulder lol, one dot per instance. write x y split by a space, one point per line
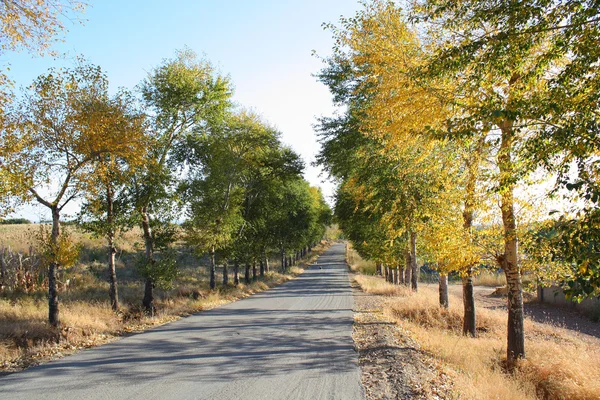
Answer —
392 364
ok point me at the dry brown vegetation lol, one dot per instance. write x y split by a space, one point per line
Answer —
87 320
357 263
558 364
489 278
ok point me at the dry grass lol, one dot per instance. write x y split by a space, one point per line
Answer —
378 286
357 263
20 237
489 278
558 365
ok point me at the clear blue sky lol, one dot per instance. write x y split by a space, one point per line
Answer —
265 46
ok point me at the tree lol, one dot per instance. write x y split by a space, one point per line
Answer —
30 25
213 189
58 143
182 94
34 25
107 210
504 72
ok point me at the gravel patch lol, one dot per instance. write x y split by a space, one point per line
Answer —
392 364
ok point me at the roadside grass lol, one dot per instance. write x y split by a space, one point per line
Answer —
26 339
489 278
357 263
498 280
378 286
558 365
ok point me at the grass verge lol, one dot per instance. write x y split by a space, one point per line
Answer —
357 263
558 365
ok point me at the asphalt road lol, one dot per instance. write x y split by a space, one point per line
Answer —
291 342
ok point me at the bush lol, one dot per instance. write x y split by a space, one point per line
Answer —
14 221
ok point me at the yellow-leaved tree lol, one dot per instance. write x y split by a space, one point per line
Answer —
61 133
32 26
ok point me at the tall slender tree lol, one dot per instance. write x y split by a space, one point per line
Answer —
181 95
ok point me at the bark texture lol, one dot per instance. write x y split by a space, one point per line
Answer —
236 273
443 290
110 237
408 269
148 301
213 269
469 318
413 262
225 274
509 260
53 314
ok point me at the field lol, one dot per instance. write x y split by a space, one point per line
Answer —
86 317
560 364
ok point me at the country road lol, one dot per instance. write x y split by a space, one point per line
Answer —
291 342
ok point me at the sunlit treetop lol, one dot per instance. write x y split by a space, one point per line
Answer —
34 25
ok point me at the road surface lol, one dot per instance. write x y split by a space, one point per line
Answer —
291 342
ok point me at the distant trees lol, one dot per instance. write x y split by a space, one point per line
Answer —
245 194
449 109
9 221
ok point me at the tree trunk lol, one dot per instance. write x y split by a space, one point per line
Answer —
516 331
213 268
254 272
112 272
397 276
408 270
247 274
53 315
236 273
262 268
3 271
225 274
509 260
282 260
148 301
469 319
413 262
267 266
472 167
401 277
444 290
112 276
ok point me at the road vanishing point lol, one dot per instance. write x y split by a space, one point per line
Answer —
291 342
